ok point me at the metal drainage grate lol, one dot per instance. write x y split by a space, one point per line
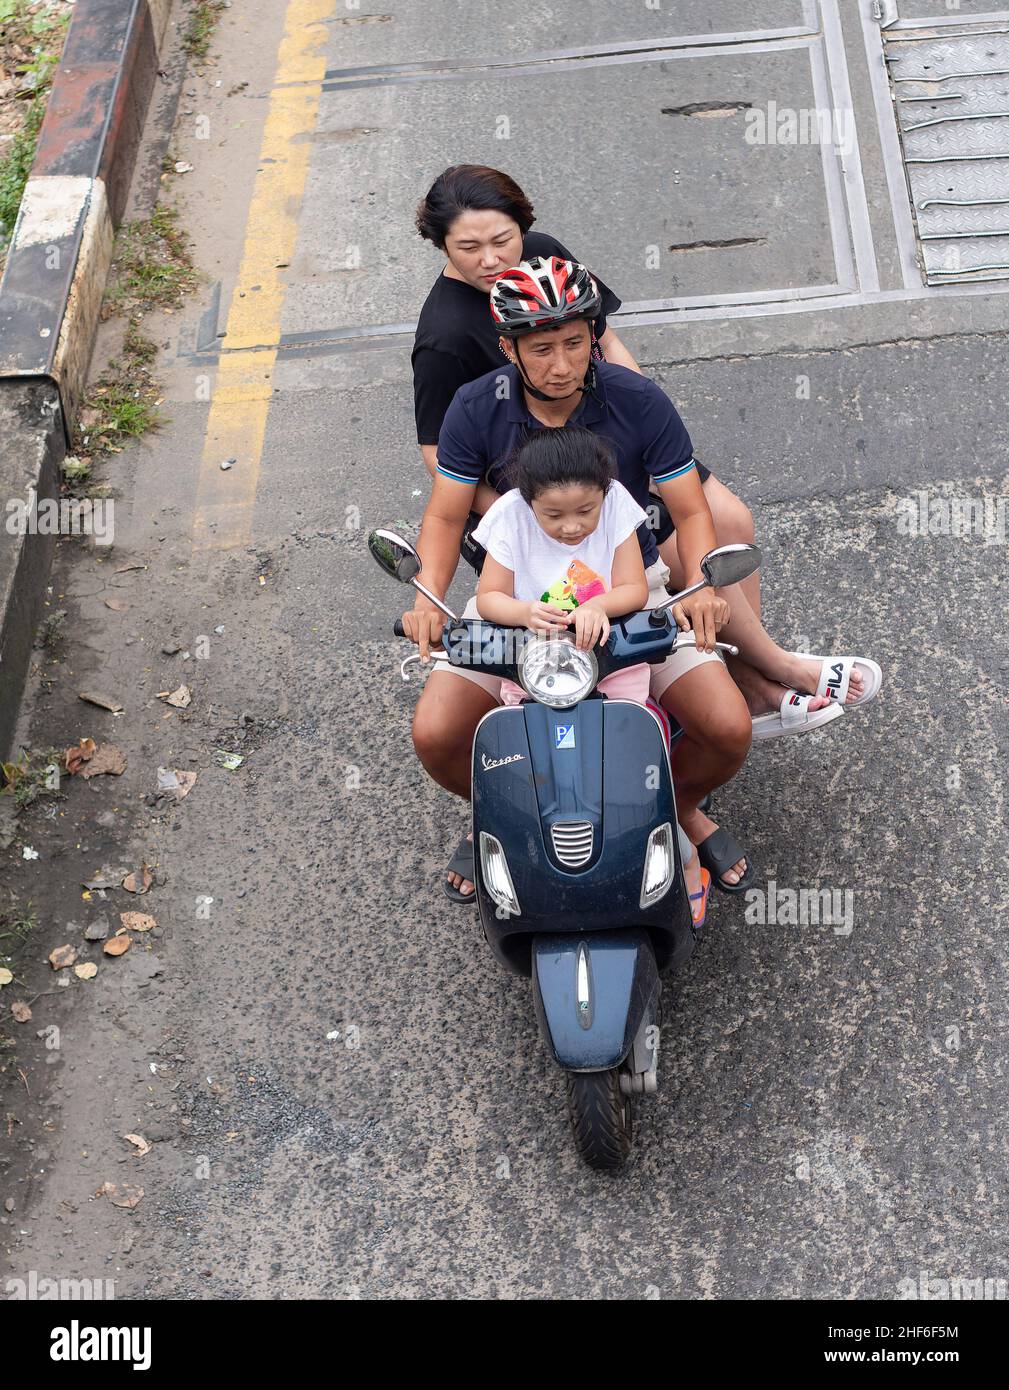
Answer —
572 842
951 90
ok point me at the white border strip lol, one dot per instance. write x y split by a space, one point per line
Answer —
940 21
809 306
837 213
851 161
893 159
645 306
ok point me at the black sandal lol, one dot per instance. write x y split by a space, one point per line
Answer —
463 864
718 853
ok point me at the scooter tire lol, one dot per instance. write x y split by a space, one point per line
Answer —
601 1116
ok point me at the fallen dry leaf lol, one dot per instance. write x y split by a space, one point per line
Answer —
126 1196
139 880
137 921
117 945
173 783
116 604
187 781
142 1145
5 976
61 957
181 698
21 1012
87 971
91 697
108 876
108 758
73 758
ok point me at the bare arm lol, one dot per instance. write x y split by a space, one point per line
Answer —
706 612
628 586
496 603
438 547
484 497
691 515
628 592
614 351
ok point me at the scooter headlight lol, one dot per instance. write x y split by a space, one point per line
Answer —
660 865
556 672
496 874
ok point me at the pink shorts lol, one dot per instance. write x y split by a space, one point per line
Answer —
630 684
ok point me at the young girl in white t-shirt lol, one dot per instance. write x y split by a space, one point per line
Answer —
563 553
562 550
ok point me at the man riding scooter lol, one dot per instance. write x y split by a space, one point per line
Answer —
545 310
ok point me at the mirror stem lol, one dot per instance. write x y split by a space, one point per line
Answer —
684 593
436 601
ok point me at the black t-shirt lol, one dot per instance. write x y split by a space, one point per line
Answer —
457 341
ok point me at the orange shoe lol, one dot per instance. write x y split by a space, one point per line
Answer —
699 901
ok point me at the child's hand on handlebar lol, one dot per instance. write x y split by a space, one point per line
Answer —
592 626
547 620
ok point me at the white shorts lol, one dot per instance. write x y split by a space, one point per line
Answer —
663 674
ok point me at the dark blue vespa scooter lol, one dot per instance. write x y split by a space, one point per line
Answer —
578 874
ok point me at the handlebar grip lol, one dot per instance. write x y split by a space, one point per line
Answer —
398 628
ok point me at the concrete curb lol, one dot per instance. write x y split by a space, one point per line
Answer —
53 283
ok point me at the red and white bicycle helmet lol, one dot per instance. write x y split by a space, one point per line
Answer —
543 292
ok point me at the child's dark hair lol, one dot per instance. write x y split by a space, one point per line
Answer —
470 188
559 458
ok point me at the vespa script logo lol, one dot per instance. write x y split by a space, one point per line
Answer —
489 763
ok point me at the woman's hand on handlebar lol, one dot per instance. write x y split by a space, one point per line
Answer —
423 626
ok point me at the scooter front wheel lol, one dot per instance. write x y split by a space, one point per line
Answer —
602 1118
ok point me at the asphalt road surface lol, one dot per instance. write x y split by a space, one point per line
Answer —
346 1097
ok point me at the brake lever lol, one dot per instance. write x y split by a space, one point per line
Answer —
720 646
435 657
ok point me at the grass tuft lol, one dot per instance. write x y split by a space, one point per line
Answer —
35 773
203 19
122 404
152 265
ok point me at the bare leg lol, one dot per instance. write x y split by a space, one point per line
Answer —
444 723
764 671
717 732
734 525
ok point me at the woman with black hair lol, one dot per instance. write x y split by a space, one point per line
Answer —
480 218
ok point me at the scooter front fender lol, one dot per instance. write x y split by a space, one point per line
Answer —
591 993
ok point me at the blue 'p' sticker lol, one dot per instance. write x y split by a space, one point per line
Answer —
564 735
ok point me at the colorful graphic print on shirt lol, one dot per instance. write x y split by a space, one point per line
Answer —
578 585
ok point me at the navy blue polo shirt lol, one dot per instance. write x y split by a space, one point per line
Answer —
488 421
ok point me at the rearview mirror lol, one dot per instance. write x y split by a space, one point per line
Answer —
728 564
395 555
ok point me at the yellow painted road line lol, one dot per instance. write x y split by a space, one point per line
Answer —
236 426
